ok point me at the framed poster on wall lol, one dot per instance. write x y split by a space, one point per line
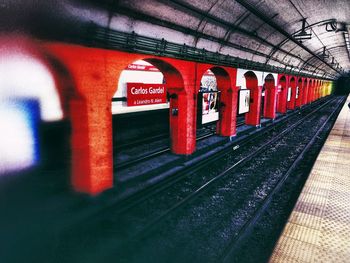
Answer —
243 101
289 94
297 93
208 106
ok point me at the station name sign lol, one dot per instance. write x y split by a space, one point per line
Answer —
139 94
142 67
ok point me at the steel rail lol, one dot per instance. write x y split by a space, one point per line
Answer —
139 196
233 167
250 224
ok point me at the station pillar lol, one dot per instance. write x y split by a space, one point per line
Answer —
270 99
228 108
181 81
93 72
253 116
282 95
305 91
182 124
311 91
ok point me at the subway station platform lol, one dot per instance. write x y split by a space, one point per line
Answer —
318 229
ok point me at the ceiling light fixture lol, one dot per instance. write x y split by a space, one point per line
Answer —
303 35
335 26
324 55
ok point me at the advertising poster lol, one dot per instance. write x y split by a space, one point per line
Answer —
139 94
297 93
210 107
289 94
244 101
279 88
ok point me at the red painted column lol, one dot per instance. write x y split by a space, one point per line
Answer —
228 112
183 106
282 95
311 91
227 124
226 80
306 91
292 85
270 99
92 171
94 76
314 95
182 127
299 91
253 116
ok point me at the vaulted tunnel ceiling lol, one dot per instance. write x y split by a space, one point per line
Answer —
264 31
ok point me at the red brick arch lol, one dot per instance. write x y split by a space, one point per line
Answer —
226 79
95 73
253 116
282 94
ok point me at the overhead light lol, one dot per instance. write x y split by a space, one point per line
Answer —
335 26
324 55
302 35
341 27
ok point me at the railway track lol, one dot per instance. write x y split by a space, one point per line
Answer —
152 154
233 247
206 186
229 148
201 135
138 218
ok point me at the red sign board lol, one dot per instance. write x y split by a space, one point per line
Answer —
145 94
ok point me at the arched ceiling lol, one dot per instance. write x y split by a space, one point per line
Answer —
264 31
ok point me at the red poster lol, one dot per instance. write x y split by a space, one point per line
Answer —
139 94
